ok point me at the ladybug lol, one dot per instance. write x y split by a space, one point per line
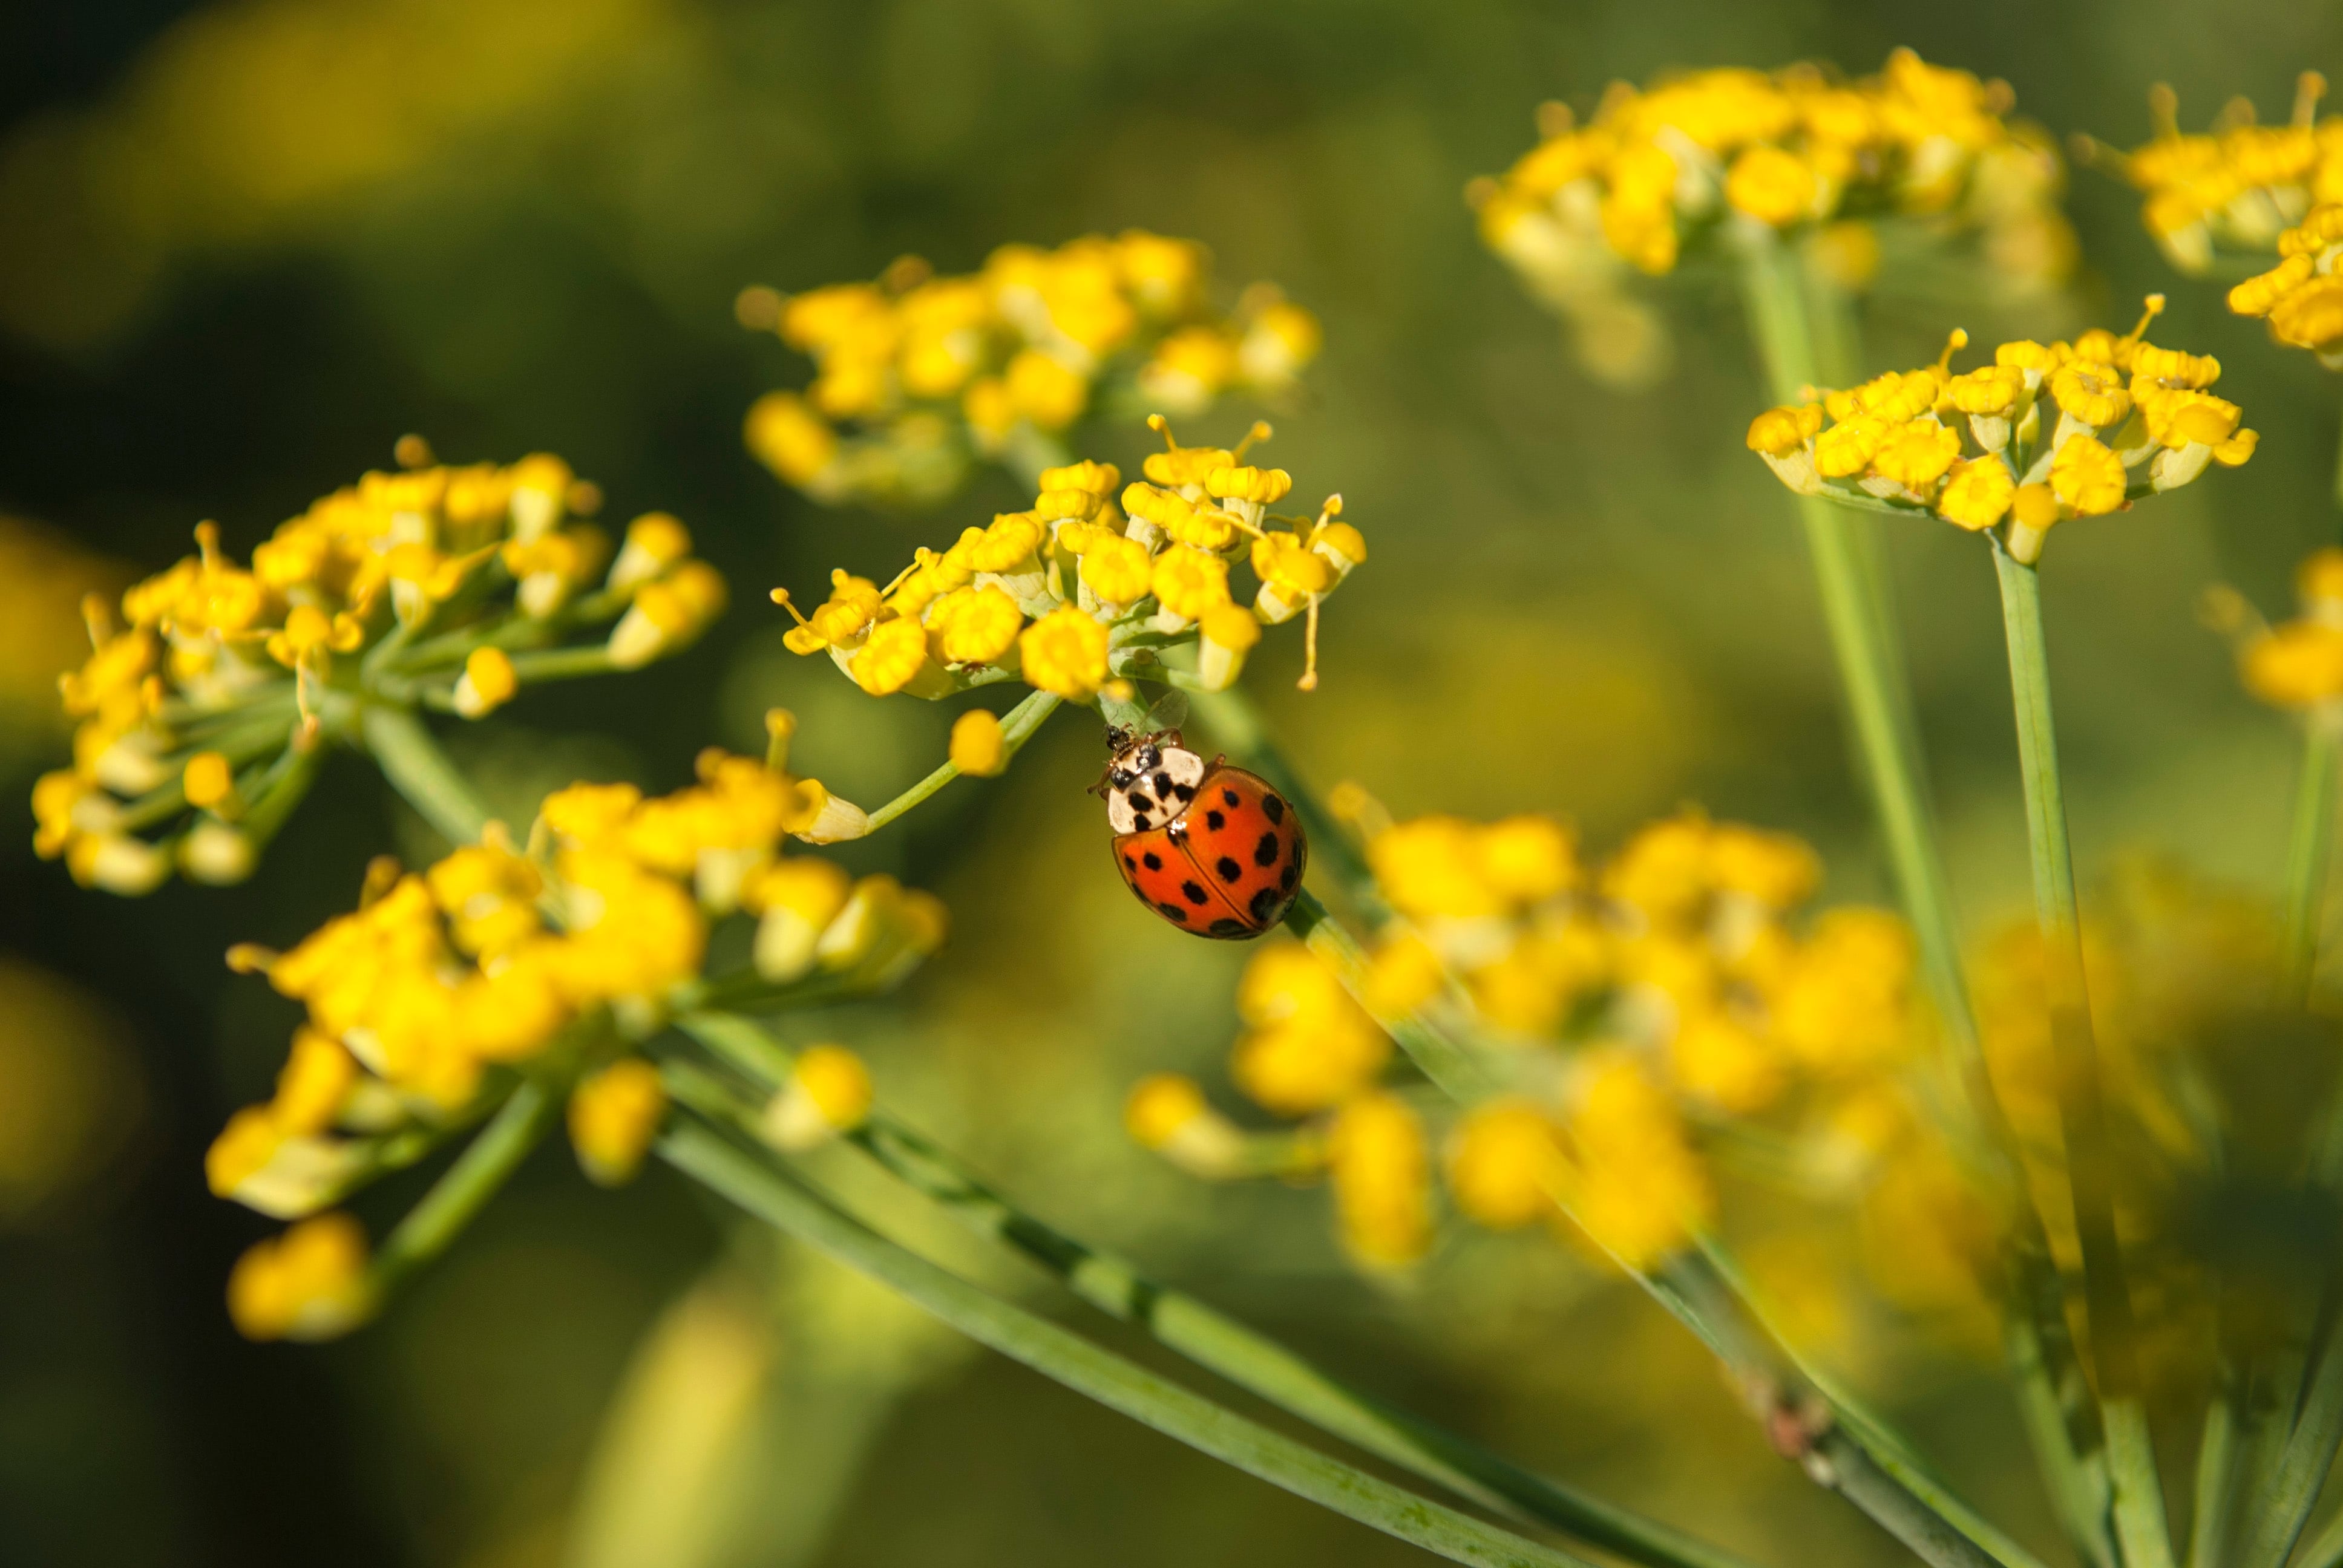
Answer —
1211 848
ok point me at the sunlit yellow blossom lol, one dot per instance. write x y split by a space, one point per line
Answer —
2126 418
1064 652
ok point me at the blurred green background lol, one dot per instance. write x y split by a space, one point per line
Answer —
245 245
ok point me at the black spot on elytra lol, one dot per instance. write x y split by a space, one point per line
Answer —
1225 927
1265 852
1293 875
1130 863
1228 796
1264 904
1163 785
1272 808
1173 912
1194 892
1229 869
1215 821
1154 862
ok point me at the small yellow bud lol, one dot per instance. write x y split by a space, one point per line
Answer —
828 1092
613 1117
208 781
655 541
309 1283
978 748
488 683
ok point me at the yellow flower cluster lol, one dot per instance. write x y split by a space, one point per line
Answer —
1656 172
1675 982
496 957
1676 975
1099 581
915 375
201 711
2302 298
2238 186
2297 664
2131 419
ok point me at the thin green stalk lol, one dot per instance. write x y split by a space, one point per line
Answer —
755 1184
466 1185
2326 1548
1893 1452
2142 1530
1805 335
2282 1507
402 747
1221 1344
2308 850
2080 1492
1017 726
1875 687
2215 1491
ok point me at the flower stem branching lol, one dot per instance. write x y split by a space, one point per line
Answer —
1018 726
1214 1341
485 1165
403 748
757 1183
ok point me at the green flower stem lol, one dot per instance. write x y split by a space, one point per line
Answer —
2053 1406
1221 1344
402 747
468 1185
2326 1548
1804 336
2142 1530
2216 1490
2282 1506
2307 853
1017 726
753 1182
1878 693
1888 1448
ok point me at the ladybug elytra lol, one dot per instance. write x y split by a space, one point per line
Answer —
1211 848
